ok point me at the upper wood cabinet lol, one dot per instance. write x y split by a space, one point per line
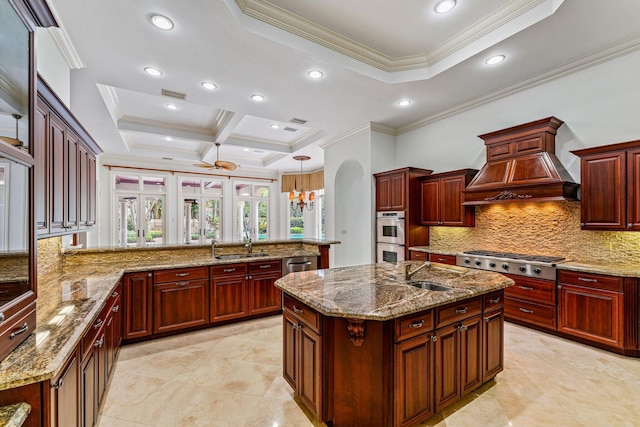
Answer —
610 180
396 188
442 197
65 176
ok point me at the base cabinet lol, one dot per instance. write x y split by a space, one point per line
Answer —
414 379
492 344
229 292
180 305
65 409
137 304
264 297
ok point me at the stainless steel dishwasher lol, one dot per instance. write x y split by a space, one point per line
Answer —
299 263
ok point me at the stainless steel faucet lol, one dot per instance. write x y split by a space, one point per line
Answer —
213 248
408 273
249 247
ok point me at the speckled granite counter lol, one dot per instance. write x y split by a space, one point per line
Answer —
430 250
14 415
380 292
70 297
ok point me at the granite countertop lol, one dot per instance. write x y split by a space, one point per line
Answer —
380 292
70 297
610 268
14 415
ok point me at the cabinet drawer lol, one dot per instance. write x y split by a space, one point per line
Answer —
443 259
458 311
302 312
228 270
96 326
530 312
493 301
590 280
536 290
413 325
13 329
178 274
419 256
264 266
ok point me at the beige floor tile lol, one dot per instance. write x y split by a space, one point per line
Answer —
231 376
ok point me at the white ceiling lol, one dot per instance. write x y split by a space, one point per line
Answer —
372 53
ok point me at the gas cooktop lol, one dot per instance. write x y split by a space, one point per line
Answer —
512 255
542 267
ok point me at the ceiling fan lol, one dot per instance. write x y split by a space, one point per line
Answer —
219 164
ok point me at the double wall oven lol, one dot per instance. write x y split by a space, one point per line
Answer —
390 227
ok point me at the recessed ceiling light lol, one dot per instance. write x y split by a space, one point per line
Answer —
171 106
168 138
496 59
152 71
246 149
404 103
315 74
208 85
162 22
445 6
275 126
257 98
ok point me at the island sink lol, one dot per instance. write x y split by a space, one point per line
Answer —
238 256
429 286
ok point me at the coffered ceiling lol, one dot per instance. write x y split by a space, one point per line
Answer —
372 53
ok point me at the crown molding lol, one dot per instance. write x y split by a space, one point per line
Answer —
584 62
388 130
365 127
62 40
111 101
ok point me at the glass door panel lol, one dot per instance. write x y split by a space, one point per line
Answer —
127 220
262 211
212 219
153 228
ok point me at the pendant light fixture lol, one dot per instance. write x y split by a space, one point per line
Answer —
299 200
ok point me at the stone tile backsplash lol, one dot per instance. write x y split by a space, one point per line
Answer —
541 228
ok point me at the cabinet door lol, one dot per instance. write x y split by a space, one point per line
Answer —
430 214
310 366
137 316
590 313
264 297
603 186
447 365
180 305
71 175
89 387
397 192
57 195
414 384
633 190
452 212
383 193
41 171
91 203
64 396
470 353
290 350
229 299
492 344
83 186
100 350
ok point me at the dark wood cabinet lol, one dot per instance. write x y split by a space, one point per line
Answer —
302 362
229 292
442 197
414 378
610 187
531 302
419 256
137 304
442 258
399 190
180 299
64 396
65 185
264 297
493 336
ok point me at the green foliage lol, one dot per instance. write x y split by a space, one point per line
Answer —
297 230
297 222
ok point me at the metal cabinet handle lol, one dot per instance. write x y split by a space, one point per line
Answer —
526 310
441 259
584 279
494 301
416 324
98 343
115 295
229 270
149 275
182 274
98 324
1 317
525 288
297 326
559 286
463 328
297 310
434 338
461 310
183 283
115 308
266 266
487 319
24 328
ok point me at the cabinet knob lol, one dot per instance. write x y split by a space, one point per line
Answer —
434 338
559 286
148 274
582 224
1 317
115 308
629 225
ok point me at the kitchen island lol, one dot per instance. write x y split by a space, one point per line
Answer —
365 346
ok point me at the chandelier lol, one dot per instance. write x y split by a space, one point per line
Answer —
301 203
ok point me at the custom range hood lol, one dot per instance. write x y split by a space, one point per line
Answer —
522 166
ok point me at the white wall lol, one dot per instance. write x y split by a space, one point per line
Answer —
52 66
599 106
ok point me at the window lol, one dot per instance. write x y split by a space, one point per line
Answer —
201 210
309 223
296 222
251 214
139 210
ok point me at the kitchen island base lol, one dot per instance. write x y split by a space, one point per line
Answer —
396 372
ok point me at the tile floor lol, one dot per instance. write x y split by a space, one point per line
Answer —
231 376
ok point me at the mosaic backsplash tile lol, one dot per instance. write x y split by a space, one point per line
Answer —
542 228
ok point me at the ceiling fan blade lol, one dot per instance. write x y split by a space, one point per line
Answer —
228 166
205 165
